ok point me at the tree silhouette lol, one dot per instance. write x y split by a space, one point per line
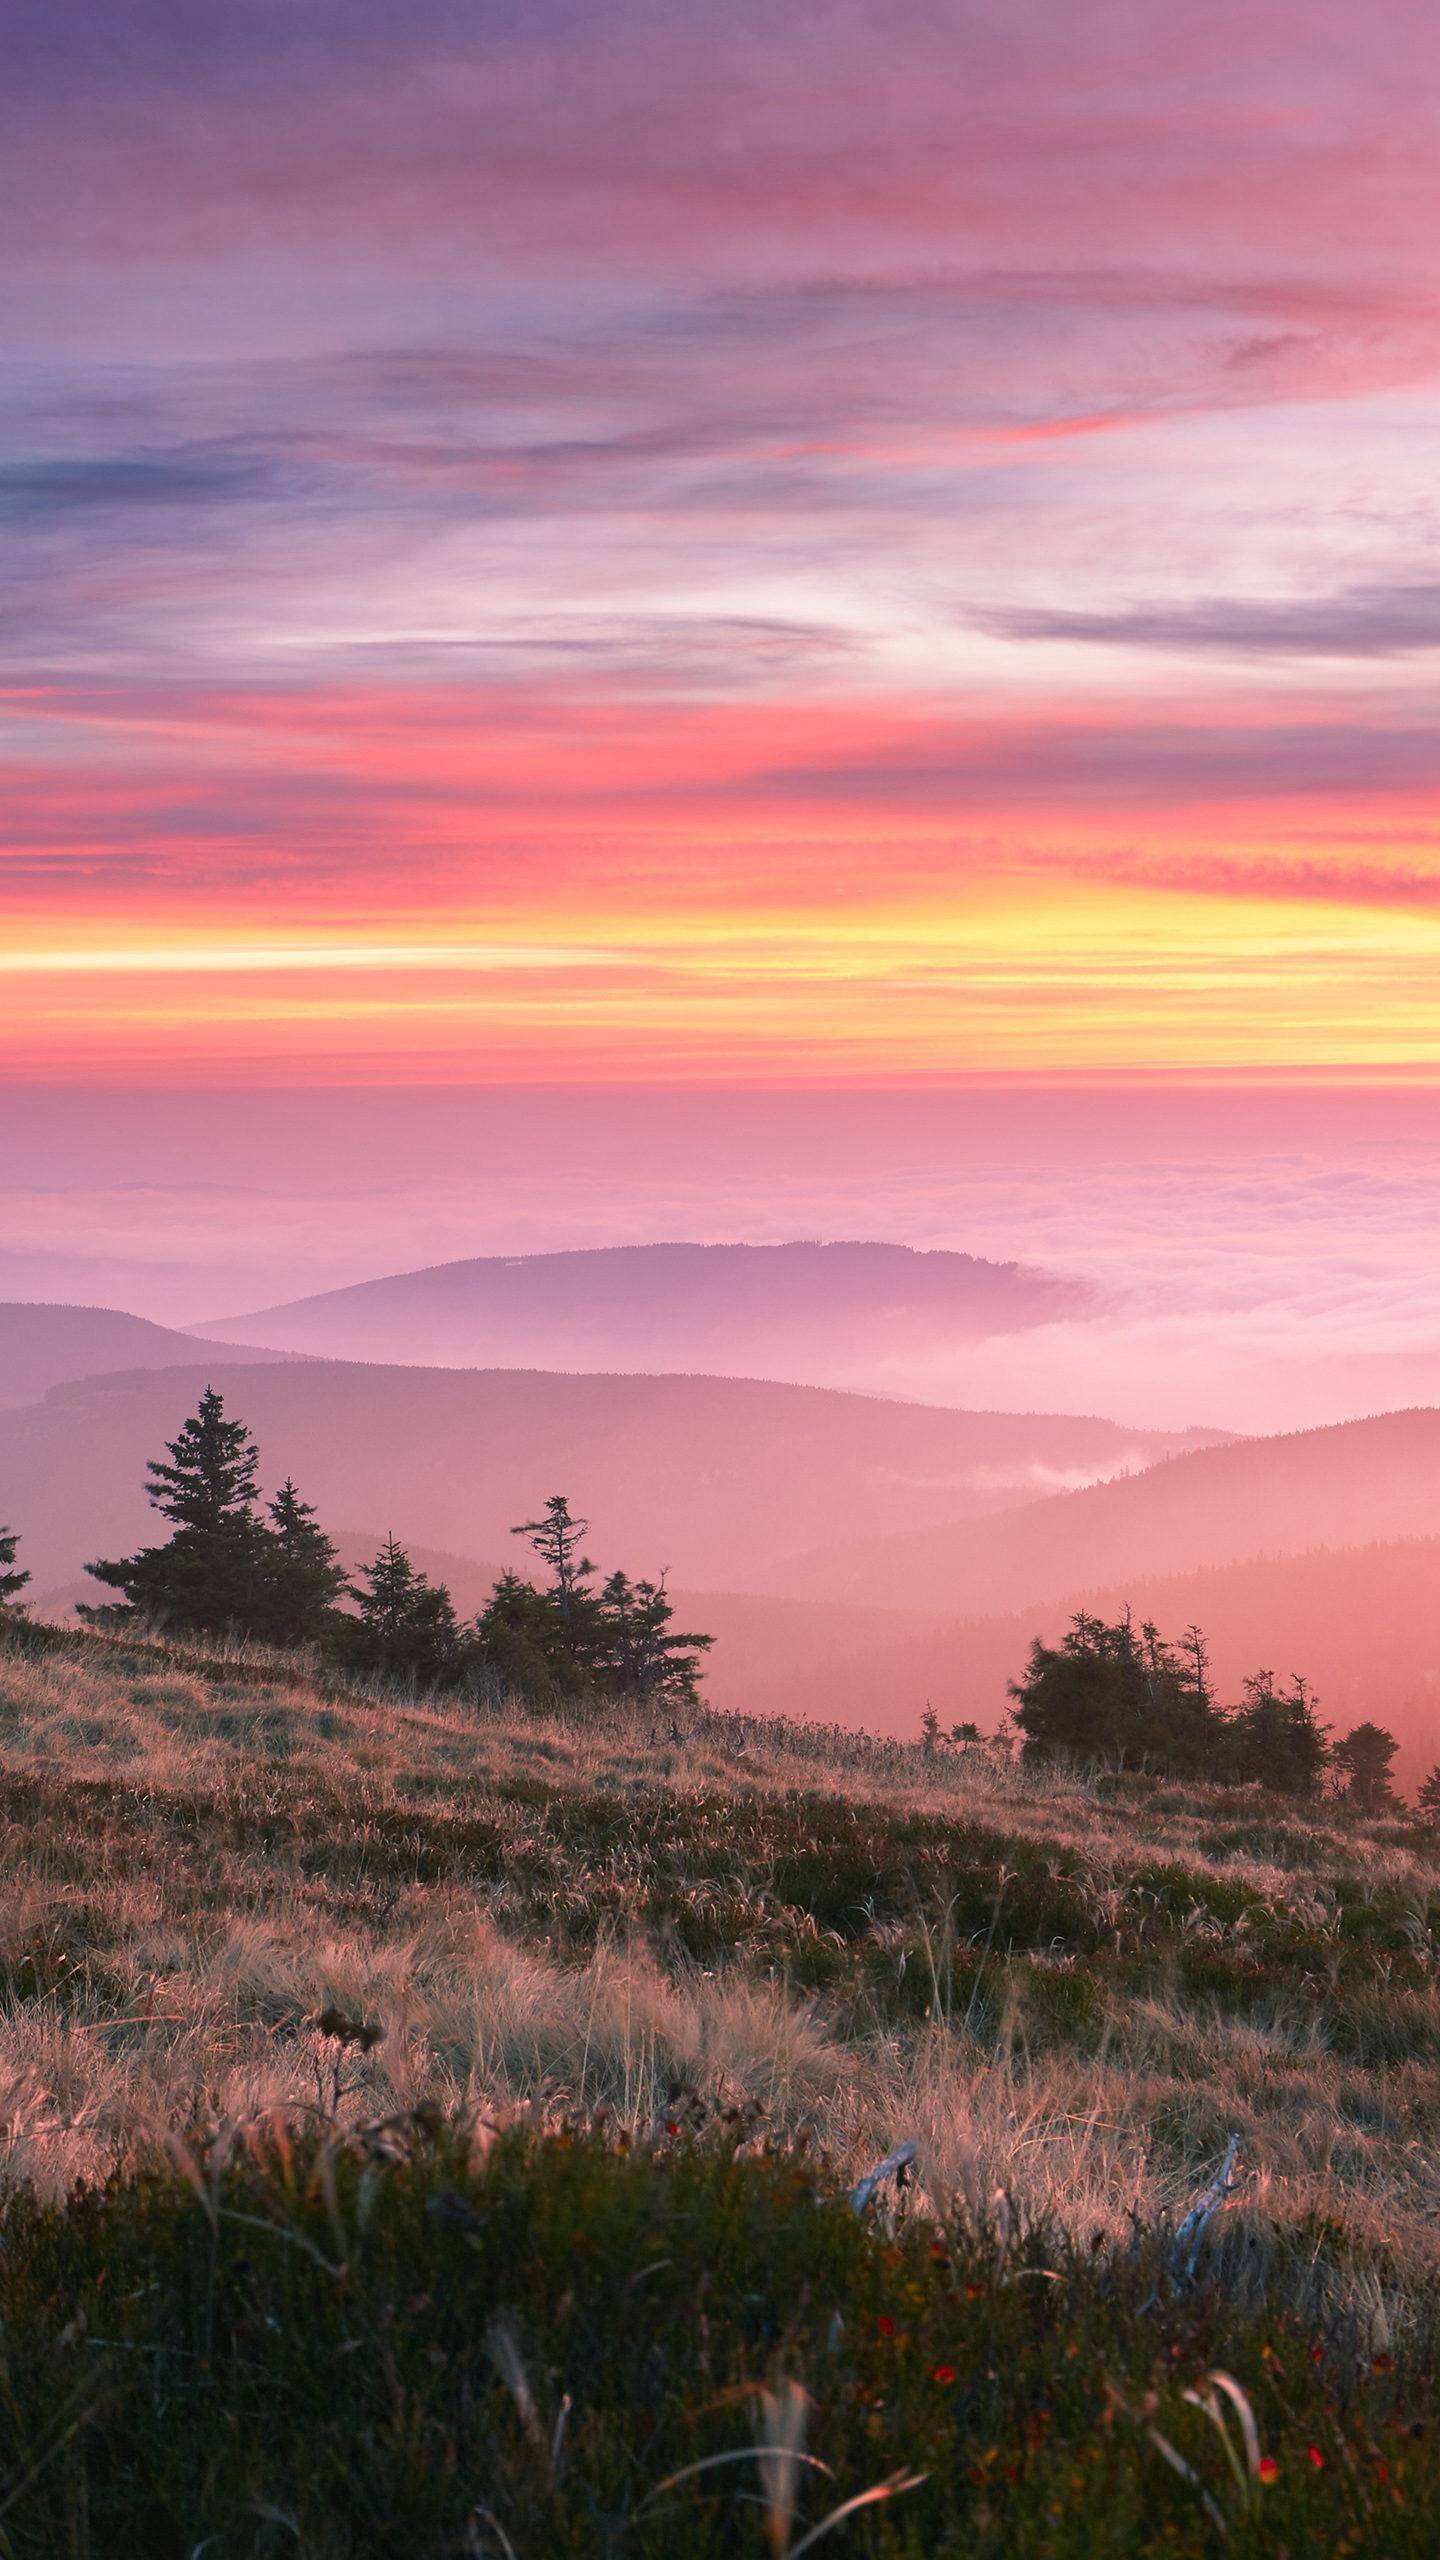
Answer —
210 1577
1363 1760
1275 1738
1117 1693
558 1539
303 1574
13 1577
405 1624
649 1660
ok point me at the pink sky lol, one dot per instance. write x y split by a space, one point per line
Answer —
711 547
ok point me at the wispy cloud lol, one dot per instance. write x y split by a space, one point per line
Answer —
1378 621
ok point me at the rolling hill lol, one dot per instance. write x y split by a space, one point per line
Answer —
853 1315
1344 1486
44 1346
710 1477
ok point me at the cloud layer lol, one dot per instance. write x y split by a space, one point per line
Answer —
907 538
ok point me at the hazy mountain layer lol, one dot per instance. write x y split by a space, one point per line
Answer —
826 1314
710 1477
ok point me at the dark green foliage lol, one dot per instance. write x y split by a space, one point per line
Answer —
1362 1759
647 1659
527 1645
304 1577
1428 1798
13 1577
1117 1693
1124 1696
209 1579
405 1627
558 1539
1275 1738
570 1641
419 2358
210 1480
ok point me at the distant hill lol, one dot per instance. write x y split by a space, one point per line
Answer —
1361 1622
710 1477
43 1346
1345 1486
853 1315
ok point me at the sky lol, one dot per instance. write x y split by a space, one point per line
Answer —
641 620
641 546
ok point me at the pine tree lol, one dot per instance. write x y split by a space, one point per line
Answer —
525 1646
210 1579
1363 1760
1428 1799
649 1659
1118 1693
1275 1739
209 1483
13 1577
304 1576
405 1626
559 1541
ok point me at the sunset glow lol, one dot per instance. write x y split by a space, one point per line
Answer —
723 554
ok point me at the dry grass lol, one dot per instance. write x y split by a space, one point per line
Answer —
549 1919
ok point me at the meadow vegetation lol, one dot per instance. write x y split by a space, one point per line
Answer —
428 2126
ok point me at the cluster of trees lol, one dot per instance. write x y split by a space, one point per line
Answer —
236 1566
1123 1694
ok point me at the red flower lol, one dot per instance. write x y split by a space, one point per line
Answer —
1268 2469
885 2325
1314 2455
942 2373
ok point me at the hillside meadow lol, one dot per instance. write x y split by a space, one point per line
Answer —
428 2128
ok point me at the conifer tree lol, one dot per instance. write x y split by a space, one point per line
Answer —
210 1578
1118 1693
525 1645
1428 1799
1275 1739
1363 1760
209 1483
304 1576
649 1659
405 1624
13 1577
559 1540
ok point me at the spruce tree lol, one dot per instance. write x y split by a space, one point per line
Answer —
649 1659
209 1483
405 1626
559 1539
1363 1760
13 1577
526 1647
1118 1693
1275 1739
1428 1799
210 1579
304 1576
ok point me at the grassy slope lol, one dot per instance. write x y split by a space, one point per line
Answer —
692 1992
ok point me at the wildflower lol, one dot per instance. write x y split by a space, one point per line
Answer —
1267 2469
942 2373
1315 2457
885 2325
